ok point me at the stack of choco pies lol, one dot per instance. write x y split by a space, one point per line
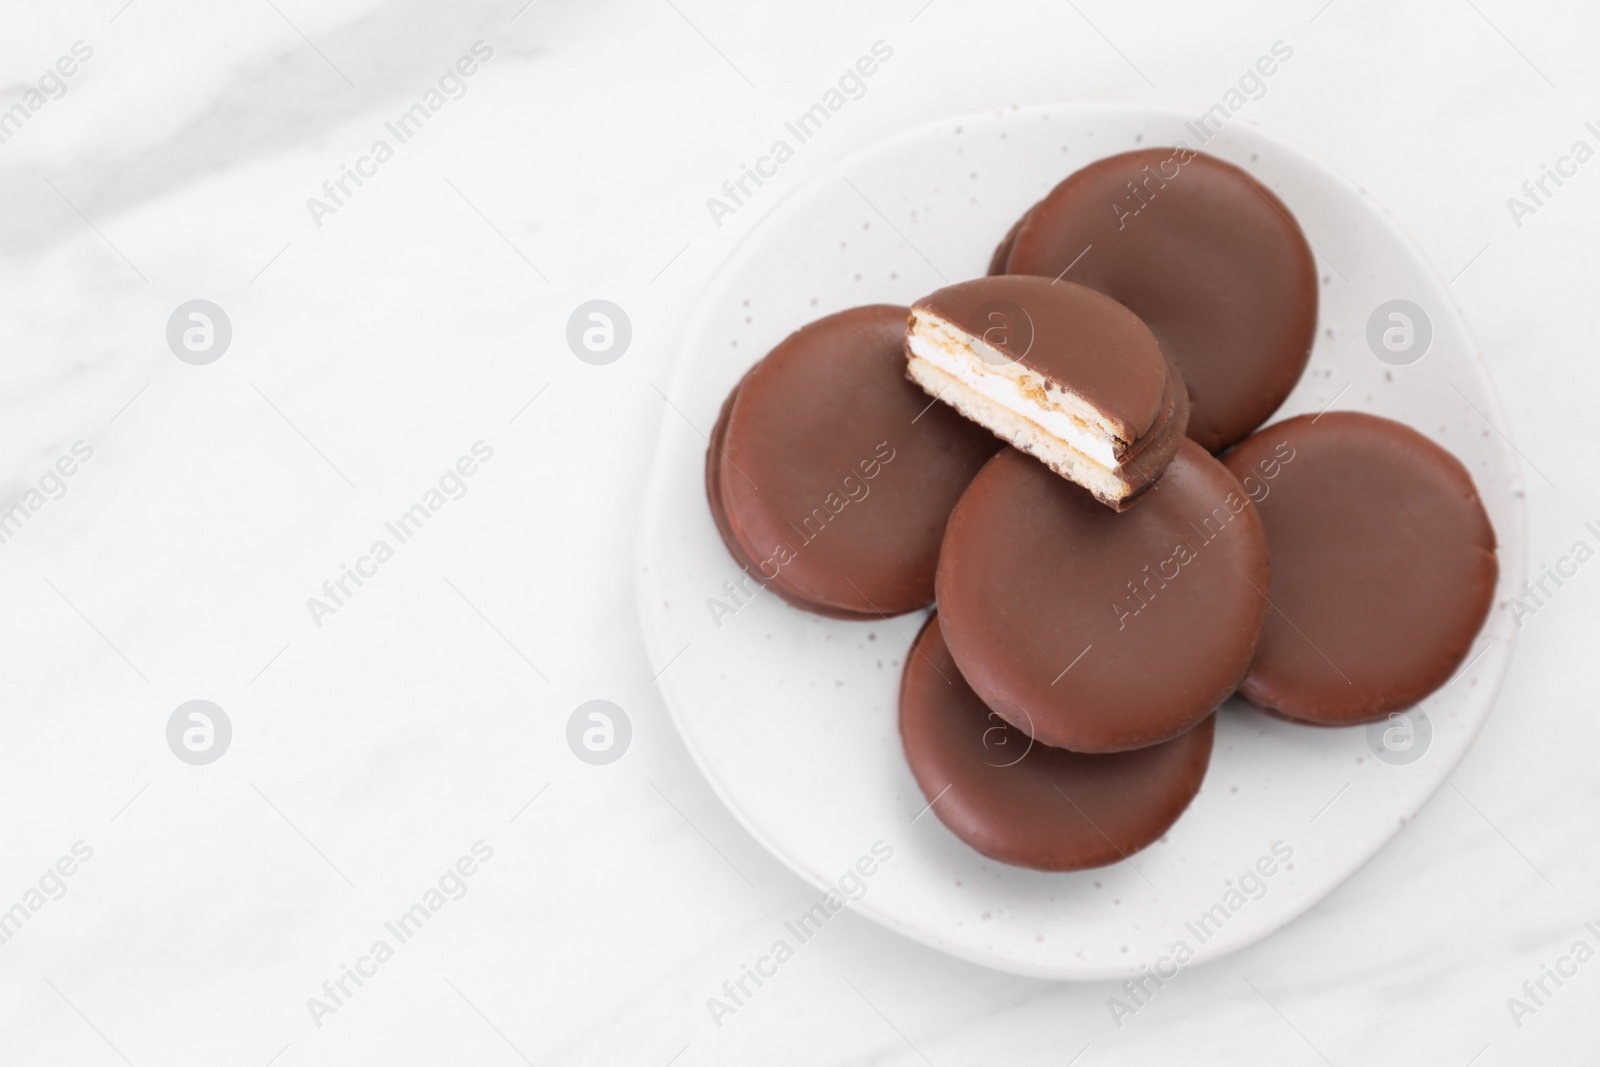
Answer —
1071 469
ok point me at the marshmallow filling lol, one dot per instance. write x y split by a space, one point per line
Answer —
1033 413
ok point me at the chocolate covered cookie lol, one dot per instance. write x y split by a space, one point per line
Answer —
1211 260
1060 371
1021 802
1101 632
831 476
1383 566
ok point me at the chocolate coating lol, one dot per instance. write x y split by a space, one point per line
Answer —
1101 632
719 516
1212 261
831 477
1024 803
1002 251
1070 335
1383 566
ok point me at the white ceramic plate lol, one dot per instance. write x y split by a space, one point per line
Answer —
793 717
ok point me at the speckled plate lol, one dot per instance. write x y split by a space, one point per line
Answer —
793 717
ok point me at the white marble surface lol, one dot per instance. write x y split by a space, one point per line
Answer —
368 354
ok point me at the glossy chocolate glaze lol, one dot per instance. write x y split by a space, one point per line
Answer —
1101 632
1080 340
719 516
831 476
1024 803
1212 261
1383 566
